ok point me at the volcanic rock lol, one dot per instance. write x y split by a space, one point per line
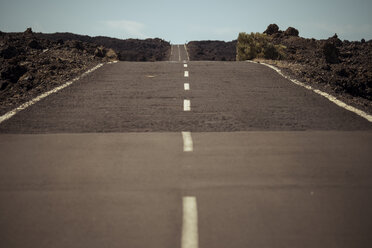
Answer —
291 32
272 29
212 50
8 52
34 44
13 73
331 53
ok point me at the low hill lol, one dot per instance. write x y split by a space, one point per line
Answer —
127 50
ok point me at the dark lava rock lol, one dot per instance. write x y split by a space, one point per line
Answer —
34 44
343 72
331 53
127 50
335 40
74 44
342 67
8 52
3 84
272 29
26 70
28 32
13 73
212 50
291 32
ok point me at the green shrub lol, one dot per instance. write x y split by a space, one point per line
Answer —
257 45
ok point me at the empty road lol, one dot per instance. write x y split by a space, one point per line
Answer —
185 154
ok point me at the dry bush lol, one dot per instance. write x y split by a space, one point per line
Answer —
257 45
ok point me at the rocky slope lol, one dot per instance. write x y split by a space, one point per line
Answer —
127 50
339 67
30 65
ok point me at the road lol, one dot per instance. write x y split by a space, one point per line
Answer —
118 159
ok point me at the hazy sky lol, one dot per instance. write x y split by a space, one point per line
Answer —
181 21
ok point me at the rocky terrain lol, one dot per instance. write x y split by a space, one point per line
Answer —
127 50
30 65
339 67
212 50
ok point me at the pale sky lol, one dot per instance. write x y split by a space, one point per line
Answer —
181 21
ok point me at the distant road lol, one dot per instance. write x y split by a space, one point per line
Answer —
185 154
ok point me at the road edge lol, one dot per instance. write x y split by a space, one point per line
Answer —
25 105
329 97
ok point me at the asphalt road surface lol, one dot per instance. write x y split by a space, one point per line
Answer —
229 154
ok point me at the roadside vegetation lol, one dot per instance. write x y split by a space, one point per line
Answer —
257 45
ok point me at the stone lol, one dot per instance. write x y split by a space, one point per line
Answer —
272 29
291 32
34 45
331 53
9 52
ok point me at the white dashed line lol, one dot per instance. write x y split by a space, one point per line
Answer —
186 74
11 113
186 105
185 65
187 142
190 236
326 95
186 86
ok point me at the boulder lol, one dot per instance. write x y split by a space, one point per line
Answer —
74 44
335 40
28 32
9 52
3 84
331 53
291 32
272 29
34 44
13 73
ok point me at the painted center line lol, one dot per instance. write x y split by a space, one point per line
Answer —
185 65
186 105
186 86
186 74
190 237
187 142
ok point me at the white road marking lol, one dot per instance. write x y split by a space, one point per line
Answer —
185 65
186 105
179 53
326 95
186 74
187 53
187 142
190 236
186 86
11 113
